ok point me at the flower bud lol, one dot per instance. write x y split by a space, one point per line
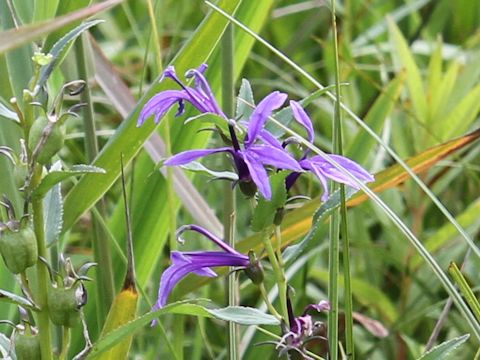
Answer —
19 248
53 143
254 271
278 218
27 347
64 305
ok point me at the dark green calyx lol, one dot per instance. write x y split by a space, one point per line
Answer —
27 347
248 188
46 139
278 218
18 246
254 271
64 305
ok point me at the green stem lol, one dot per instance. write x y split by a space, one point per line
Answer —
65 343
43 281
338 149
105 286
270 307
228 102
279 275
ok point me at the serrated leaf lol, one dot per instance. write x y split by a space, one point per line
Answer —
53 207
265 210
7 113
16 299
445 349
197 167
59 46
57 176
244 316
244 109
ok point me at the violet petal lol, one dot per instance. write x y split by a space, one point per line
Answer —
188 156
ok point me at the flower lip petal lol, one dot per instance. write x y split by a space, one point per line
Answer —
301 116
185 157
160 104
258 174
208 235
351 166
261 114
274 156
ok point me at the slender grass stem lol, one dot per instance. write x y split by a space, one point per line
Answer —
279 275
333 270
105 286
65 343
338 149
229 205
270 307
43 320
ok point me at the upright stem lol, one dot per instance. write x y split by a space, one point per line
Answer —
43 320
228 102
105 284
338 149
279 275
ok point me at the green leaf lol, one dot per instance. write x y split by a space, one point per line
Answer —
211 119
363 144
15 38
403 58
244 316
58 48
237 314
445 350
16 299
56 176
53 208
292 252
244 109
197 167
265 211
7 113
5 348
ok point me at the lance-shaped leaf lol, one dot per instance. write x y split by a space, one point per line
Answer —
53 208
445 350
57 176
7 113
17 300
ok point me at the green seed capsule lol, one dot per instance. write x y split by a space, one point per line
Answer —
64 306
19 249
27 347
53 143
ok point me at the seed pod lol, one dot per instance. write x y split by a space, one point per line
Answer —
53 143
254 271
27 347
248 188
64 305
19 248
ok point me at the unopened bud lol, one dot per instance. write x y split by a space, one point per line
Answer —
254 271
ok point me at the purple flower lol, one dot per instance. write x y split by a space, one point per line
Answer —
320 166
200 96
197 262
302 330
260 148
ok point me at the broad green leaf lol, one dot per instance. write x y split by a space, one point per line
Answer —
404 59
56 176
439 97
53 214
44 9
445 350
244 316
59 46
363 144
16 299
15 38
265 211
